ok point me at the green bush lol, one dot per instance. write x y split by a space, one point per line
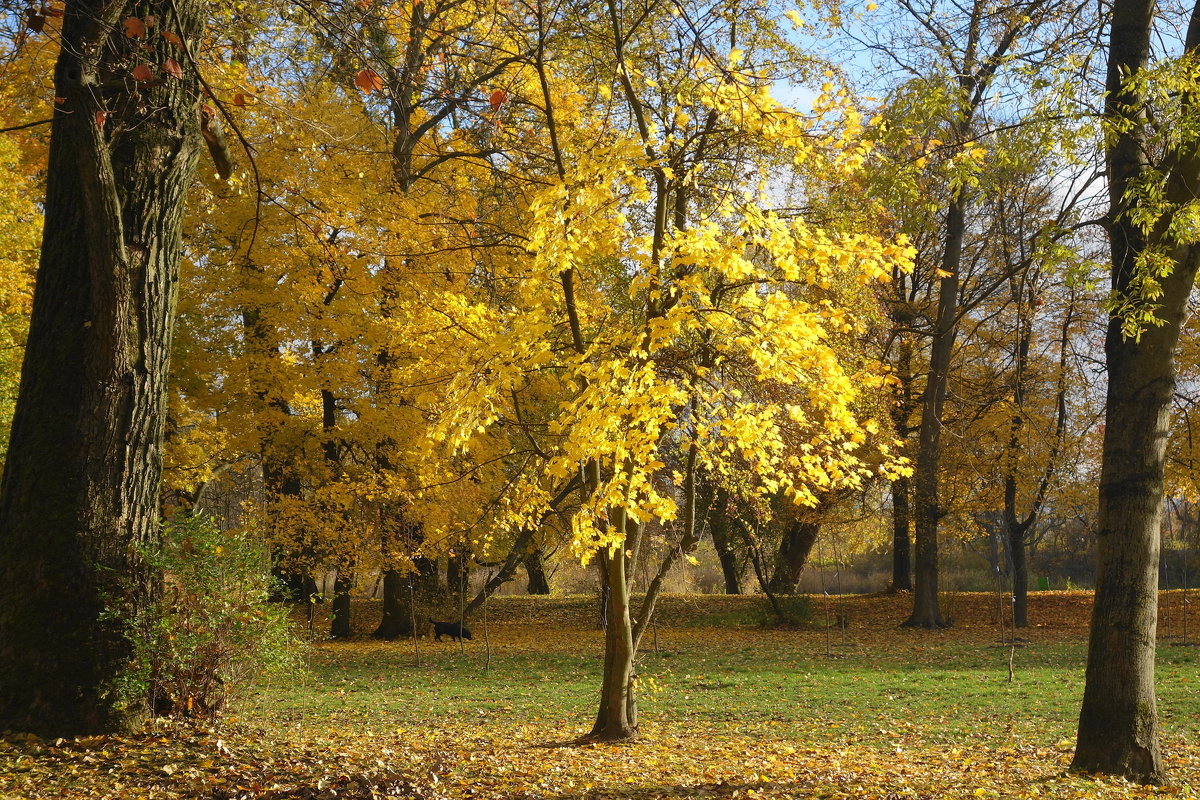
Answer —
212 627
797 610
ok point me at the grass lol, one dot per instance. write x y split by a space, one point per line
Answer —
875 687
729 707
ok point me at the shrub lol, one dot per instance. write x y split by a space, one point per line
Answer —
797 609
212 627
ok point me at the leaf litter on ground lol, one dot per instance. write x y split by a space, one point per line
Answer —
731 711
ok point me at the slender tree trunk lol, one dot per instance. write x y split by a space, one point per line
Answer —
1020 574
794 547
902 486
926 613
901 536
80 490
616 718
718 523
1118 720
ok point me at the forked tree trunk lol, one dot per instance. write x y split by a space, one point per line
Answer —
535 568
1118 720
81 484
794 548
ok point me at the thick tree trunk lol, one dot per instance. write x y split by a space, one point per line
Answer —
397 617
794 547
901 537
339 625
535 568
926 613
1118 720
400 592
80 491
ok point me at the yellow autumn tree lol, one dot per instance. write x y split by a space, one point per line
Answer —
687 322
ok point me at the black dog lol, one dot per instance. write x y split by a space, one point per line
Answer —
451 629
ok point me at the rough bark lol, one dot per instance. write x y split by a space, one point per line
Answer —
902 486
901 535
794 548
400 592
718 524
339 610
80 491
616 719
535 568
926 613
1118 720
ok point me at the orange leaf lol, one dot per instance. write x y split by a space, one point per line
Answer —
368 80
101 116
142 73
172 68
239 100
172 38
54 10
497 99
134 28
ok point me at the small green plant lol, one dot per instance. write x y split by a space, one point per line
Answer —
212 627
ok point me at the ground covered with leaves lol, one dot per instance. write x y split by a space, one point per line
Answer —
730 708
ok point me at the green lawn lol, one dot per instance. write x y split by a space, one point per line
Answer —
729 708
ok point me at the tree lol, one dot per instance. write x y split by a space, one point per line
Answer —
1153 162
955 59
81 481
686 322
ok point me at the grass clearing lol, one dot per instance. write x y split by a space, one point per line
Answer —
735 710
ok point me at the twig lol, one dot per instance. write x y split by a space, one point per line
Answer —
27 125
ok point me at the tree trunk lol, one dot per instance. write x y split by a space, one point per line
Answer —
902 486
535 568
718 523
794 546
1118 720
398 598
80 491
926 613
397 616
616 718
1020 575
339 626
458 574
901 538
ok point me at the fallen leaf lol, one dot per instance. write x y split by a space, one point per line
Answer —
133 27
